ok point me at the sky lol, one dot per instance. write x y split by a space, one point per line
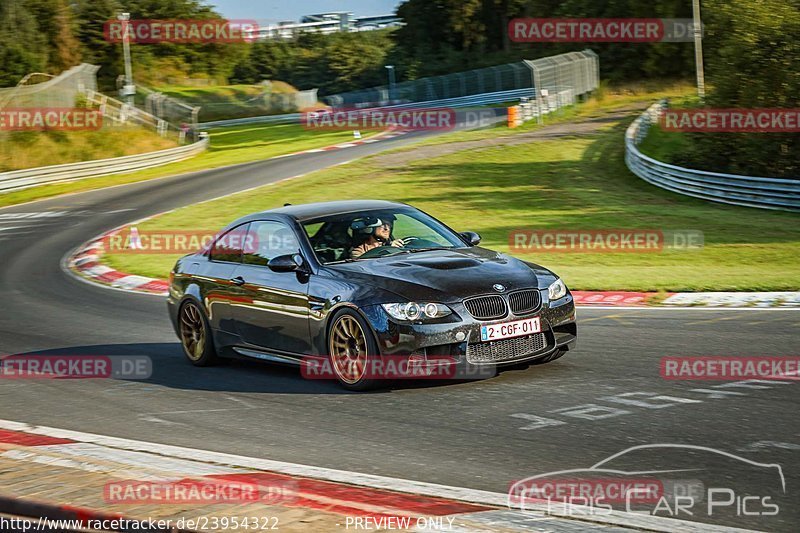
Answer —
277 10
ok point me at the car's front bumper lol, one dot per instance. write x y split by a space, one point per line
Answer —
458 339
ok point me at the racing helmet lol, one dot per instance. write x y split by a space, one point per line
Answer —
367 225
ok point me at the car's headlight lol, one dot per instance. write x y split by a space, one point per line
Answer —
556 290
412 311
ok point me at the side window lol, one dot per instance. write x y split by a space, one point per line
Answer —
330 240
229 247
267 239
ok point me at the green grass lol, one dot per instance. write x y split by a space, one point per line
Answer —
665 146
669 146
567 183
229 146
222 93
31 149
597 106
214 93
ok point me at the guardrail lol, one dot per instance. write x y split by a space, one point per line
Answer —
469 101
31 177
291 118
463 101
750 191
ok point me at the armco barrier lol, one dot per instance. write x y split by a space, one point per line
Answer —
291 118
31 177
475 100
764 193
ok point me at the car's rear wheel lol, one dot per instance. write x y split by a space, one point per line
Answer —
198 345
352 349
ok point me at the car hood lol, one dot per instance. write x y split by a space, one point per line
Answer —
446 275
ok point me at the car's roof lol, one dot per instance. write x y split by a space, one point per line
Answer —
303 212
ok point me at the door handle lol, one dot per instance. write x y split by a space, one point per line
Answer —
238 280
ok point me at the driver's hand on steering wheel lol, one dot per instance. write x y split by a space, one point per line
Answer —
398 243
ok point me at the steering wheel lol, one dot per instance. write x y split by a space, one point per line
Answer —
419 242
378 251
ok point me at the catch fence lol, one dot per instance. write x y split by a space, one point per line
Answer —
574 71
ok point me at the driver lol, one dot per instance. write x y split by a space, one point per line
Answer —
379 233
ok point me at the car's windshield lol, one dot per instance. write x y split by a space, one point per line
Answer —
364 235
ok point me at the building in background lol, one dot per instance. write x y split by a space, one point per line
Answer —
377 22
334 22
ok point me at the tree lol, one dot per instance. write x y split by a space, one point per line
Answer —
751 63
22 47
442 36
55 21
91 16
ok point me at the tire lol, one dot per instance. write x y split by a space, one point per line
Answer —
351 347
552 357
195 334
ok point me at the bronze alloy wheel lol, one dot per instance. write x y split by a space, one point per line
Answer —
347 346
193 331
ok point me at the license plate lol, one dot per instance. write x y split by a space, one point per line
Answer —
508 330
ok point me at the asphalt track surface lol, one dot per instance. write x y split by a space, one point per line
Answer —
485 435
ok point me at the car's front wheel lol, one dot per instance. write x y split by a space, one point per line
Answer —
352 349
198 345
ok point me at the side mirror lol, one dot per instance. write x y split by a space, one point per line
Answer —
286 263
471 237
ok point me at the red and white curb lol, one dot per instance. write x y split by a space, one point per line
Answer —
772 300
612 298
681 300
389 134
87 263
37 511
33 509
334 491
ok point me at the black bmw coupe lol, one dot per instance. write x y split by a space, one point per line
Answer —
353 283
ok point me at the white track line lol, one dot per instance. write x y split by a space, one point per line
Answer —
376 138
685 308
619 518
65 261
